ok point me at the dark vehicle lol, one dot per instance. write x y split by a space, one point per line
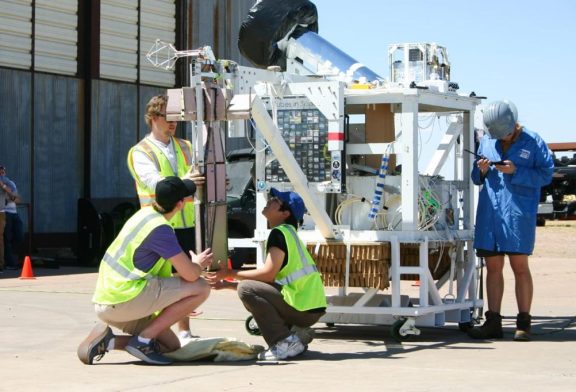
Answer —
556 201
100 220
241 200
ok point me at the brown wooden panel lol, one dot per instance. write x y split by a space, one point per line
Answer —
379 129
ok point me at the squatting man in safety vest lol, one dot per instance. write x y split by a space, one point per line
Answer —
136 292
285 295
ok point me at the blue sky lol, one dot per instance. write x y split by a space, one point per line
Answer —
523 51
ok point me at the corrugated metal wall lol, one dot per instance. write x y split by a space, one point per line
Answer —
116 109
79 142
114 122
15 127
216 23
157 21
56 38
127 33
16 34
58 158
119 39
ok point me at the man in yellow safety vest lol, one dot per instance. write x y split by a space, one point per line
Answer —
136 291
158 155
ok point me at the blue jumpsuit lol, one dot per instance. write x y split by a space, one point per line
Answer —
508 203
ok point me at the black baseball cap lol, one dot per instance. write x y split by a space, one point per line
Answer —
171 190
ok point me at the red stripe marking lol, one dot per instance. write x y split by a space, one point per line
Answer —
335 136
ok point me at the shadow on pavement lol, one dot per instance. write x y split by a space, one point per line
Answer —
41 271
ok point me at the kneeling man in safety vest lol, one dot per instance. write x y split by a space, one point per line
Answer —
136 291
285 295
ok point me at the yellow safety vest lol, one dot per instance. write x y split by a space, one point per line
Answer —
183 151
118 279
302 286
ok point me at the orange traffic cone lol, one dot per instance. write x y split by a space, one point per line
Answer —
229 266
27 269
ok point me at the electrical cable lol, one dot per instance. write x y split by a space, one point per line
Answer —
347 206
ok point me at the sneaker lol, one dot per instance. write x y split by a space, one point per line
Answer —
491 329
95 345
285 348
295 346
305 334
275 353
147 352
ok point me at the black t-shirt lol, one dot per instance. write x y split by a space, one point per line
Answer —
276 239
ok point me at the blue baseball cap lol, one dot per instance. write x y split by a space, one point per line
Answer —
293 201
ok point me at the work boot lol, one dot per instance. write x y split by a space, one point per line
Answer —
523 321
492 327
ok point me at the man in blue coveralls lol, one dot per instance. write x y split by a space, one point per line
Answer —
515 164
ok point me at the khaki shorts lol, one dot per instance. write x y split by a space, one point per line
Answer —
133 316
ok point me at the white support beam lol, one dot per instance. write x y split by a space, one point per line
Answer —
446 144
410 164
297 178
367 148
468 143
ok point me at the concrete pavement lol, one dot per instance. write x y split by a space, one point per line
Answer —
43 321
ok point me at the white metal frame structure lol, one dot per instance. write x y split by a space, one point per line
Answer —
418 62
335 99
430 308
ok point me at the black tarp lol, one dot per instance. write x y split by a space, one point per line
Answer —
268 22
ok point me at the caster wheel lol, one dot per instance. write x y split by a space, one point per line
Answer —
252 327
464 327
395 331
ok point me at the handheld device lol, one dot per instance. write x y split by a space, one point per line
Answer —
483 157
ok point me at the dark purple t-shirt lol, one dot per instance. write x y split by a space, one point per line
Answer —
160 243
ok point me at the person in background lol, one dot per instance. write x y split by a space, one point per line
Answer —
2 224
507 209
7 189
161 154
13 233
136 291
285 295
